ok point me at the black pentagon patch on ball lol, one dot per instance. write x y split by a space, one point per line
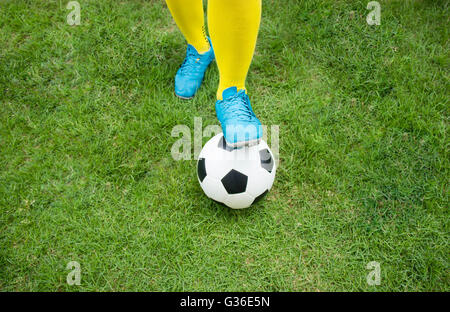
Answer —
223 145
235 182
266 159
259 197
201 169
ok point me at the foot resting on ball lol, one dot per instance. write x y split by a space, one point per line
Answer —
190 75
240 126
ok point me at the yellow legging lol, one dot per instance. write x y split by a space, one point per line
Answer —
233 27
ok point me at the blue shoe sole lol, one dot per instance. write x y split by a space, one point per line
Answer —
243 143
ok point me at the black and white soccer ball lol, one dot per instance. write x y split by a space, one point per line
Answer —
236 177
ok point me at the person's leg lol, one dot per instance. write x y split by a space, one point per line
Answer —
233 27
189 16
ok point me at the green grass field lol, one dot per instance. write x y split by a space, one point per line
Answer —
86 172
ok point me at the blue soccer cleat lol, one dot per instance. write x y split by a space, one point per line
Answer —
190 75
240 126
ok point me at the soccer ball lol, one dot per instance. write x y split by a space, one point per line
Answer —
236 177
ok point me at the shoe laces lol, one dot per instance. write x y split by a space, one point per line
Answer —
238 106
192 58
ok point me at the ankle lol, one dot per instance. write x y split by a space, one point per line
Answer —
220 90
202 48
